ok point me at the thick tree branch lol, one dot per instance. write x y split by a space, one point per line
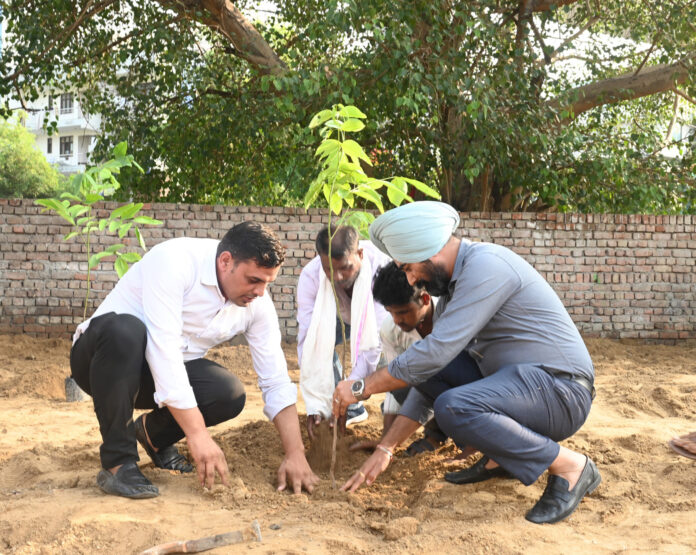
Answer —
223 16
624 87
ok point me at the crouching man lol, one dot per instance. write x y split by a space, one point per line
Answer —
144 348
516 376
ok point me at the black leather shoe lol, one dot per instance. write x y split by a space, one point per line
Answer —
557 502
168 458
477 473
127 482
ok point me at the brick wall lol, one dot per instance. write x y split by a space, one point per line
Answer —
618 276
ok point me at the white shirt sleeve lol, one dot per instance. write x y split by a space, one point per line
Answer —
163 296
263 336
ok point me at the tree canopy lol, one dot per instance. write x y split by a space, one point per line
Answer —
500 105
24 171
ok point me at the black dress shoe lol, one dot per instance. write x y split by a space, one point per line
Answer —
477 473
127 482
168 458
557 502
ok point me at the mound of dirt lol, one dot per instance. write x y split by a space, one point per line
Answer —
49 461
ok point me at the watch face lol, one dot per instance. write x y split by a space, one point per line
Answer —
357 387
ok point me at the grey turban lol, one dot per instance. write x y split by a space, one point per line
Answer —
415 231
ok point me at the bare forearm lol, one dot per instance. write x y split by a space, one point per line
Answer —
399 432
288 426
189 420
382 381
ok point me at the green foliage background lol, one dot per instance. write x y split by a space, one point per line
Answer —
24 171
457 94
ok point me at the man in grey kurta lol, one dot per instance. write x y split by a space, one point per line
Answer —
499 317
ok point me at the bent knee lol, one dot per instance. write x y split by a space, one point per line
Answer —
124 330
228 402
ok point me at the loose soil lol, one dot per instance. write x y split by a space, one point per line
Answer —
49 502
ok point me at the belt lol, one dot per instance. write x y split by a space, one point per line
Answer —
584 382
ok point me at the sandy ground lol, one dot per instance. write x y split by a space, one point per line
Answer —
49 459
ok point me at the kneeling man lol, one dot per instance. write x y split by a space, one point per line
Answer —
496 315
144 348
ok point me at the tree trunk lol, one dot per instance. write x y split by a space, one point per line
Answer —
223 16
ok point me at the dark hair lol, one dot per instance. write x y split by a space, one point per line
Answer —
253 241
390 287
345 241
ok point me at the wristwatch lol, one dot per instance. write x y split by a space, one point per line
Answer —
358 388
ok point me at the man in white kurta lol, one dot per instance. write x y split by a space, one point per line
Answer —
354 264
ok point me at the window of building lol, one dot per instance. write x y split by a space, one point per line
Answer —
66 146
50 103
66 103
49 145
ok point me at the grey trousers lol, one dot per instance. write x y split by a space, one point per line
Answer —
515 416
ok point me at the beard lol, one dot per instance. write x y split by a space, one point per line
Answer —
437 282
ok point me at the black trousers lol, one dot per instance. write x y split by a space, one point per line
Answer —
108 362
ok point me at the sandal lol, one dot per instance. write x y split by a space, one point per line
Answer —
681 450
168 458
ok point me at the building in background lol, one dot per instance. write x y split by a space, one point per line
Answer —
70 144
69 147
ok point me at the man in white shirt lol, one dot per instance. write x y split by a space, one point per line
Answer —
354 265
144 347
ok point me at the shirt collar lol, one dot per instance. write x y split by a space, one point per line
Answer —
464 247
209 273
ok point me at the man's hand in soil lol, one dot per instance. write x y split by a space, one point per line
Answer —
368 472
295 471
206 454
208 458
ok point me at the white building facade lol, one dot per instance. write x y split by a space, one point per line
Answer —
70 146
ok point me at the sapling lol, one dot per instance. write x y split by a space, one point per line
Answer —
76 207
344 184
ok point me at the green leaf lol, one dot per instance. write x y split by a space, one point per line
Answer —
312 193
351 112
113 249
77 209
121 267
130 257
361 221
352 125
422 187
141 241
120 149
327 148
320 118
355 151
123 230
102 224
371 195
397 191
91 198
95 258
113 225
70 235
147 220
336 204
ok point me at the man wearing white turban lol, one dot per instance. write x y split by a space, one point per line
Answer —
504 365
